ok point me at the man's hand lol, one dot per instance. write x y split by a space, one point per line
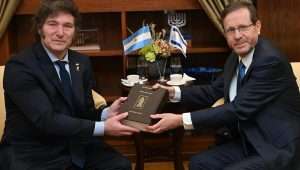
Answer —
167 121
114 127
114 108
171 89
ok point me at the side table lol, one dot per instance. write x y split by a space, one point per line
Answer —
172 151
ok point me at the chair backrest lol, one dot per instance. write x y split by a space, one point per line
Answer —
99 100
296 70
2 104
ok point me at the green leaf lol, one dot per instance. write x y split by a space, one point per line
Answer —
150 56
146 49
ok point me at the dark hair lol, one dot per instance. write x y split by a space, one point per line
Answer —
238 5
52 7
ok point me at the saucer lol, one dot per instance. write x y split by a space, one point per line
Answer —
143 81
175 83
127 83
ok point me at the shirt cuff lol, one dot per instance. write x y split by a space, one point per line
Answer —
177 95
104 114
187 121
99 129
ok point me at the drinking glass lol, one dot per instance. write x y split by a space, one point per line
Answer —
175 65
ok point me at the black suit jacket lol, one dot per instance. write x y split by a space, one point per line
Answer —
41 122
267 106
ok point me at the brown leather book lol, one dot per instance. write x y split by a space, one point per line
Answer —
142 101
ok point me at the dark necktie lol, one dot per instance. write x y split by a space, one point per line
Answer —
77 152
241 75
65 79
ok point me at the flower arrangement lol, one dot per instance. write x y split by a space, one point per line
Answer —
159 48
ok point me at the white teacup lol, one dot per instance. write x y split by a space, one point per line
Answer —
176 77
133 78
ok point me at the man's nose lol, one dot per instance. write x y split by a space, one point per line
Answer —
237 34
60 31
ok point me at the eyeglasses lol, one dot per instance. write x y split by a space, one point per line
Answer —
240 29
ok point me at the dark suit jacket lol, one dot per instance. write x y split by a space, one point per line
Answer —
267 106
41 122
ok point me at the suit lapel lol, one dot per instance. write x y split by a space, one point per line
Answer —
76 76
229 73
49 71
233 64
247 73
255 54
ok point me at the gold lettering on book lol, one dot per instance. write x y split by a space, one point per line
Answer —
149 93
134 112
147 88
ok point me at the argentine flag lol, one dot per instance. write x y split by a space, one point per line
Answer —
137 40
176 40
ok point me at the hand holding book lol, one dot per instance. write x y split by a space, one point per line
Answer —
167 121
170 89
114 127
141 103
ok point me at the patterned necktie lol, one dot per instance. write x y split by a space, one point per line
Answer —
241 75
65 79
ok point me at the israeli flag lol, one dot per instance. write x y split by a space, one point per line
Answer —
176 40
137 40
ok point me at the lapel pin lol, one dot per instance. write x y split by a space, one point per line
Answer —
77 66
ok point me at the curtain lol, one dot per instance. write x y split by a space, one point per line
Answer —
213 9
7 9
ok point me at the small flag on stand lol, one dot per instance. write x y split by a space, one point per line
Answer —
137 40
176 40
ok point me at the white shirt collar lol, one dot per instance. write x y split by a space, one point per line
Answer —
54 58
247 60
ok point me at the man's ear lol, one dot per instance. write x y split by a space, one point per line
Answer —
41 33
258 26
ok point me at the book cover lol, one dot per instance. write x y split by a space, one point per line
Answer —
142 101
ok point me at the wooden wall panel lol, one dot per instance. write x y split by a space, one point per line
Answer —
281 24
3 49
30 6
